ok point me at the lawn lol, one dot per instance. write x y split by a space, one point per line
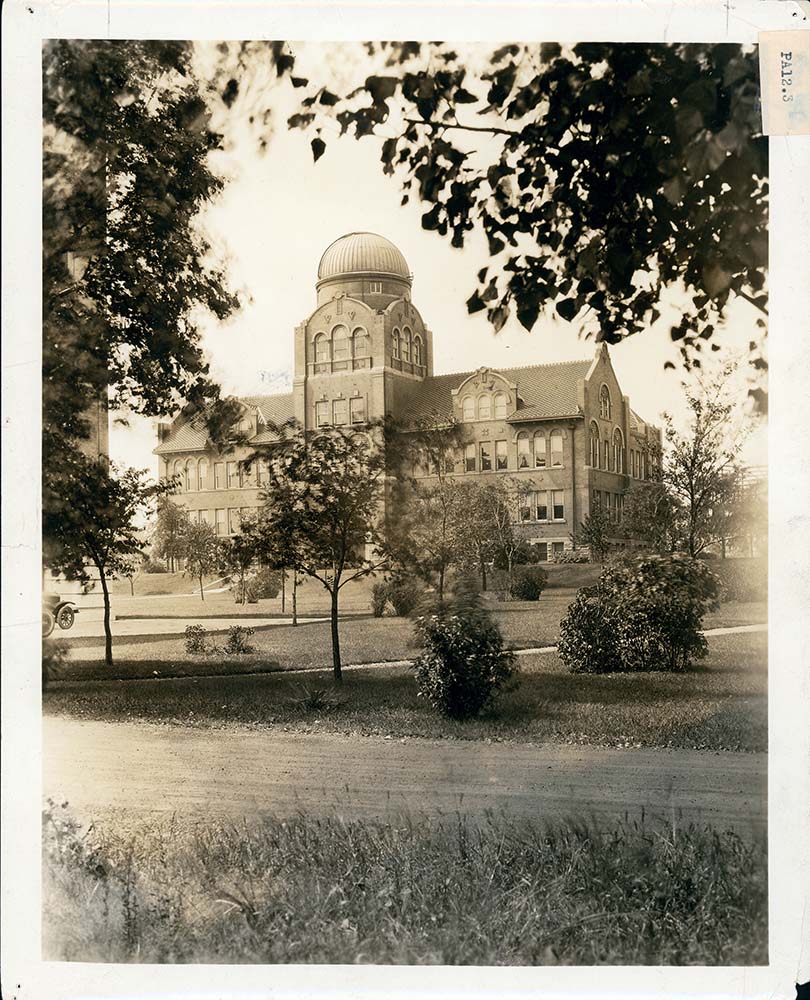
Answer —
446 891
719 706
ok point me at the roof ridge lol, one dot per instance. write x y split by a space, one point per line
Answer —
514 368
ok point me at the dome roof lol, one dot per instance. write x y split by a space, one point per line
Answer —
360 253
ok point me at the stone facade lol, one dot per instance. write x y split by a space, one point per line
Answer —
566 430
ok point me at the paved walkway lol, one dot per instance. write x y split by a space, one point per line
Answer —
151 768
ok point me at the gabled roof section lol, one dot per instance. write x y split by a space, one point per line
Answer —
192 436
187 437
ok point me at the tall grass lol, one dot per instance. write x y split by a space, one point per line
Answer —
449 891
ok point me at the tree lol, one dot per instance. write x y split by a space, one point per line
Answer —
171 527
326 489
596 531
506 497
472 529
650 516
132 569
602 175
203 552
239 553
700 468
96 522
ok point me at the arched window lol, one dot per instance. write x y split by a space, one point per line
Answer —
321 348
178 474
556 448
190 475
361 343
468 408
604 403
406 343
417 350
340 345
539 450
618 451
524 451
202 473
395 343
594 446
501 405
485 407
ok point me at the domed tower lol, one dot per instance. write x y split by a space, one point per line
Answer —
364 337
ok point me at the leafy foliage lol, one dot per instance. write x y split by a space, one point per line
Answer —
379 598
404 593
196 639
528 583
596 531
587 643
238 641
203 552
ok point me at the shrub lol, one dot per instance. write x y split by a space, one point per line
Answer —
196 639
404 594
463 663
379 599
572 556
742 579
528 583
54 654
237 641
315 699
244 592
153 566
645 613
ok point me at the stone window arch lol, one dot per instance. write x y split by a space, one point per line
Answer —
322 352
605 407
540 449
418 353
202 473
524 451
406 343
485 406
618 450
501 405
361 342
468 408
594 446
556 441
395 340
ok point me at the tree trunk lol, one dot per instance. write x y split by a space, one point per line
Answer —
441 586
132 586
108 657
202 595
483 574
295 598
722 548
336 638
283 590
509 579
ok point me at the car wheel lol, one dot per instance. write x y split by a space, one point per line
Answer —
47 623
66 618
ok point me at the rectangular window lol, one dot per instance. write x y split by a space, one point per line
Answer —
357 407
541 502
261 474
501 457
619 507
556 449
606 455
249 475
220 521
523 450
322 413
558 505
433 465
375 286
233 520
207 516
486 457
469 458
524 508
542 551
540 452
458 460
340 412
557 549
244 512
234 479
219 475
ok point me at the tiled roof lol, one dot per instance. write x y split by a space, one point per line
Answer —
546 390
275 409
191 437
187 437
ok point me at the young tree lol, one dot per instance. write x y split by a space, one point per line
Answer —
171 527
326 490
507 497
240 552
472 528
97 522
203 552
596 531
650 516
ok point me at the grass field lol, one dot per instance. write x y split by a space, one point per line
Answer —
445 891
720 706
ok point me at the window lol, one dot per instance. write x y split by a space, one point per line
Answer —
501 405
233 520
458 460
321 349
202 473
220 521
557 549
375 286
179 474
207 516
486 457
340 347
606 454
524 508
618 451
261 471
484 408
468 408
245 513
233 476
594 446
620 507
322 413
406 344
357 409
501 456
556 449
542 551
541 506
604 403
219 475
418 356
596 500
395 343
557 505
539 451
523 451
469 458
361 343
249 475
340 411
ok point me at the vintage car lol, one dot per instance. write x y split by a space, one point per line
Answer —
56 611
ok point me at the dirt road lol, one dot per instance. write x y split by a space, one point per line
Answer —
150 768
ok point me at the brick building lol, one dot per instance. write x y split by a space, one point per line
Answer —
564 429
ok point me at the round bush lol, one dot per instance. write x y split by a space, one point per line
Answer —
462 665
588 635
528 583
266 584
404 595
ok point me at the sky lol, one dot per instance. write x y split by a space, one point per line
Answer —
279 211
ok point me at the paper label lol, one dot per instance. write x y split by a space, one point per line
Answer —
784 69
